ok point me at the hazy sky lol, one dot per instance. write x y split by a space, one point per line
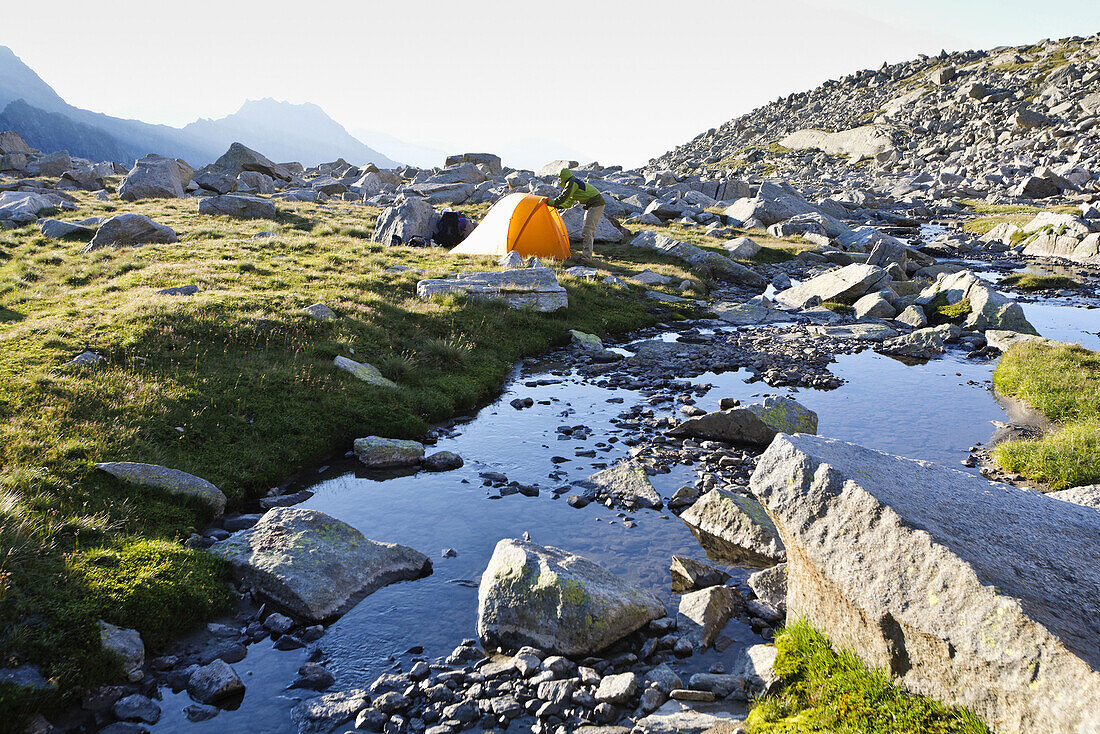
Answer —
620 81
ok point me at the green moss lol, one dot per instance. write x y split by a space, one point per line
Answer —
1034 282
1062 383
825 690
939 311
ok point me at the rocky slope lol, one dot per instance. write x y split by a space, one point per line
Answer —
1001 124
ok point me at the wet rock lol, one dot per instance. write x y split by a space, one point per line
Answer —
130 229
376 452
237 206
734 528
368 373
617 689
323 714
736 425
314 565
923 343
442 461
704 613
136 707
557 601
278 624
170 480
628 484
691 575
930 581
843 285
125 644
214 682
197 712
785 415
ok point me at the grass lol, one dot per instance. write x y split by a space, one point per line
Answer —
234 384
840 308
826 690
939 311
1063 383
1035 282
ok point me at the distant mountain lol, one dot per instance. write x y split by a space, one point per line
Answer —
286 132
280 130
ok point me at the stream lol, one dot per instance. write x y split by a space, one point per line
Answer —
934 411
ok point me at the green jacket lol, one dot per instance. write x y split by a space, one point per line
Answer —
580 192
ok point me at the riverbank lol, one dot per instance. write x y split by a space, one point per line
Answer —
233 383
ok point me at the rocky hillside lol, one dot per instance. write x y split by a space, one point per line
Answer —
1005 123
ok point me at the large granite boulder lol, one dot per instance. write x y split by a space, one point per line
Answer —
978 594
237 206
240 158
313 565
844 285
130 229
988 308
155 177
574 225
489 160
170 480
734 528
785 415
866 141
24 207
557 601
719 266
627 483
408 217
537 288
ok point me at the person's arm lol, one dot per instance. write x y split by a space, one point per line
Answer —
566 196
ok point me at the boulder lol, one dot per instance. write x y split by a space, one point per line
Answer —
130 229
1084 249
605 230
843 285
154 177
368 373
55 229
214 682
734 528
912 315
10 142
408 217
217 181
923 343
721 267
557 601
770 587
489 160
988 308
136 707
54 164
741 248
1034 187
978 594
313 565
859 332
459 173
675 717
785 415
628 484
323 714
530 287
24 207
735 425
703 614
124 644
388 453
553 168
443 461
873 306
170 480
237 206
617 689
857 143
585 342
257 182
691 575
240 158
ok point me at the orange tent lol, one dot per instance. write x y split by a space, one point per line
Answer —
520 222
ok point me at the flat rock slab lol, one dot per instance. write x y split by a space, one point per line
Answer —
170 480
735 529
682 718
749 314
324 713
237 207
978 594
368 373
557 601
313 565
862 332
845 285
375 452
628 484
534 287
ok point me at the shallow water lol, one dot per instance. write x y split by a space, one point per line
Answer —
933 411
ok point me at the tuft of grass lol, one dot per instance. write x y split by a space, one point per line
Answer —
939 311
1063 383
841 308
1035 282
826 690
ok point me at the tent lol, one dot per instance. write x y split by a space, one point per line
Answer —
520 222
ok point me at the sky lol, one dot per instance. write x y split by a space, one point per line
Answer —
615 81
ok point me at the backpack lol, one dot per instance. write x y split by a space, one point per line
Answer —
451 229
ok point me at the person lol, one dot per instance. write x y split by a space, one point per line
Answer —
585 194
